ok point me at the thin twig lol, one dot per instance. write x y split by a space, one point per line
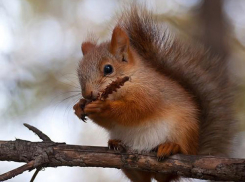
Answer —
35 174
40 134
113 87
17 171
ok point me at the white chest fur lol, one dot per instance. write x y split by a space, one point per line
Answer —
143 138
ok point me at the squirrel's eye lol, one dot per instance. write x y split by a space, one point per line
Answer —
108 69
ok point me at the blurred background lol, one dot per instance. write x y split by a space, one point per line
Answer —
40 49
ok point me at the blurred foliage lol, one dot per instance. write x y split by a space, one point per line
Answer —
40 48
37 72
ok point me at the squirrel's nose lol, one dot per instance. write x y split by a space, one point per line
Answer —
89 95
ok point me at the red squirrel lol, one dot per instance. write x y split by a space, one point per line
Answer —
177 99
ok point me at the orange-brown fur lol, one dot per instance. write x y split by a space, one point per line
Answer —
139 102
170 82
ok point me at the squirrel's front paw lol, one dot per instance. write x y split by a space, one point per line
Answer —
116 145
96 107
79 108
167 149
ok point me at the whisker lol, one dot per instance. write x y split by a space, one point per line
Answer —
73 91
69 97
66 78
69 107
74 86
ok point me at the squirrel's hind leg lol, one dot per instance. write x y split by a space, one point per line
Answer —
167 149
165 177
137 176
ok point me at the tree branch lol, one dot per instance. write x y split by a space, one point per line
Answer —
40 134
35 174
16 171
51 154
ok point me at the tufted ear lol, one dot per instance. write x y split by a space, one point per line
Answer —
119 42
86 47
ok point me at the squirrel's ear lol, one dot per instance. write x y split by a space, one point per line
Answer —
86 47
119 41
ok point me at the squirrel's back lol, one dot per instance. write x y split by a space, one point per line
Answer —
203 75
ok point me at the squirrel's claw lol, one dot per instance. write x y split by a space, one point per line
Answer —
159 159
116 145
79 109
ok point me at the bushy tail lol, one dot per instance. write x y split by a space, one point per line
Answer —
203 75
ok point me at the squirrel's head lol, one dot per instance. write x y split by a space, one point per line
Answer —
104 63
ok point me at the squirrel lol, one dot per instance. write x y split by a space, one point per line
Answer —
178 98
